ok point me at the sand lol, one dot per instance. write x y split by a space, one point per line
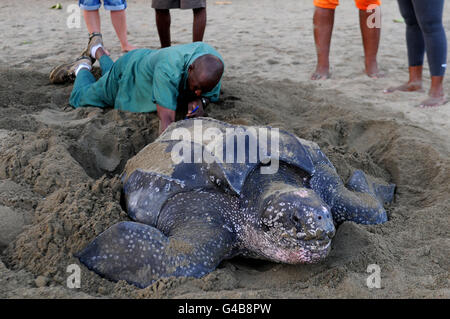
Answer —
59 167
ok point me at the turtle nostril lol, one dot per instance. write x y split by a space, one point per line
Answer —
331 233
319 233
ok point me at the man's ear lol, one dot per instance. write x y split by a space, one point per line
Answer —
191 67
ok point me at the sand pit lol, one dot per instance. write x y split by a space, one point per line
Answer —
60 168
65 167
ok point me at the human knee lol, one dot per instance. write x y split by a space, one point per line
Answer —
411 21
367 4
162 11
199 10
326 4
430 26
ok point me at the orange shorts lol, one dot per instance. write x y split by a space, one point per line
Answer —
332 4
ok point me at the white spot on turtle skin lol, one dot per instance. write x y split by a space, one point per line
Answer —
302 193
228 228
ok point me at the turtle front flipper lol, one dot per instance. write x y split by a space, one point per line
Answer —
192 243
128 251
361 202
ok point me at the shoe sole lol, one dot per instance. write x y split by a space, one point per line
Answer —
60 74
64 73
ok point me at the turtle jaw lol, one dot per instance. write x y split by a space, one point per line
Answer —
308 256
272 245
316 251
292 251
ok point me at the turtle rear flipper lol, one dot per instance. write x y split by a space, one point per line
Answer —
194 242
360 182
359 203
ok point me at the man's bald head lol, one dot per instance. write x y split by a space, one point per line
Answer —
205 72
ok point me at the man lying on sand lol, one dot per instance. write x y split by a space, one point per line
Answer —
323 28
145 80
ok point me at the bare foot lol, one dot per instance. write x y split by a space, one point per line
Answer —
376 75
373 72
128 48
321 74
407 87
434 101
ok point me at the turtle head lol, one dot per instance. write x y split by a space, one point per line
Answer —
298 226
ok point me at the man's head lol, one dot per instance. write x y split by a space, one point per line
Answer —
204 74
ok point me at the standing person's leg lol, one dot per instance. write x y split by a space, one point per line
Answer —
163 21
323 21
92 20
91 15
370 36
119 21
429 15
416 49
199 25
199 10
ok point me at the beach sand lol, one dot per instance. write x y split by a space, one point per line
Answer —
60 167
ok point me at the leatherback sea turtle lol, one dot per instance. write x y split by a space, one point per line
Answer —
215 199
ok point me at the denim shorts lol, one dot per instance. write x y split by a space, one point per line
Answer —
113 5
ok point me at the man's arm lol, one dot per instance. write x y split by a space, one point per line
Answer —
166 117
165 94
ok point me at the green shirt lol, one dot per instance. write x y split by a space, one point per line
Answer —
143 78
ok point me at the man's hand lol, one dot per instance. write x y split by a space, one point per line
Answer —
195 109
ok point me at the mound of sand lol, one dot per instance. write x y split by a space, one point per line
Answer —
60 188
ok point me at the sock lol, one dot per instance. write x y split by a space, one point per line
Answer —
94 50
82 66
